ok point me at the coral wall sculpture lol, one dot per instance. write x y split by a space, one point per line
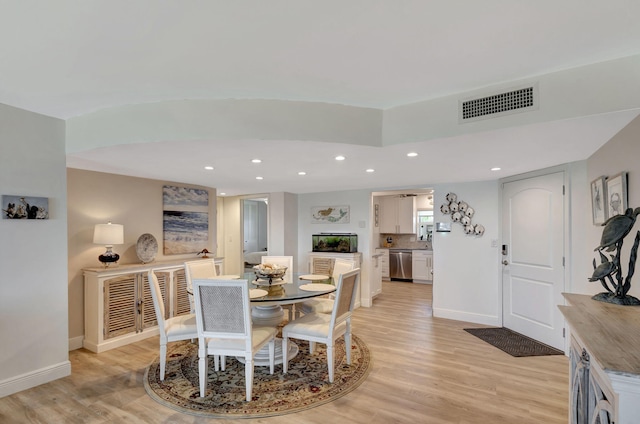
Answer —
461 213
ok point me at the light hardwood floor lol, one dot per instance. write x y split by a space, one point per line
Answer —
425 370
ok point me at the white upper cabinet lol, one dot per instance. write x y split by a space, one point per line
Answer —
397 215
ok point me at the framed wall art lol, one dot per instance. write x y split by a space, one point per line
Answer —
185 220
330 214
617 194
598 200
25 207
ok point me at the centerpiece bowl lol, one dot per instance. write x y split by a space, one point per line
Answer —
269 272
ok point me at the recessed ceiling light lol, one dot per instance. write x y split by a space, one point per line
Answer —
223 194
302 173
412 154
495 168
258 178
208 168
371 170
340 157
256 160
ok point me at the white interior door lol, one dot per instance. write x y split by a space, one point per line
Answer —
250 225
533 268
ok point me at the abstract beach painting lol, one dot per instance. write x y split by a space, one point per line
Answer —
185 220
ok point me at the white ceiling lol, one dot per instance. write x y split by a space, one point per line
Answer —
68 58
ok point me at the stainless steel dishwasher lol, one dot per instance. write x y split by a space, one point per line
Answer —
400 264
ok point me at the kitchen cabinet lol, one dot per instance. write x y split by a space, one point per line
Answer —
397 215
422 264
383 263
118 308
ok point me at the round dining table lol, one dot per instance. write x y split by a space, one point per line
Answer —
267 304
267 300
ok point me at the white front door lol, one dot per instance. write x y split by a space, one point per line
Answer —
533 256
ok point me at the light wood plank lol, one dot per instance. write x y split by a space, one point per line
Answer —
425 370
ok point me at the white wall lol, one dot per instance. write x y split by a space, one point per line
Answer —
33 254
466 270
232 235
225 119
593 89
580 218
283 226
359 202
620 154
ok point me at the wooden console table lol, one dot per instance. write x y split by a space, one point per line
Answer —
604 360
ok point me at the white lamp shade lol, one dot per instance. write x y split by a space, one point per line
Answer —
108 234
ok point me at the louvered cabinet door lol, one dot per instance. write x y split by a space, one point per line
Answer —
118 304
182 304
147 313
120 297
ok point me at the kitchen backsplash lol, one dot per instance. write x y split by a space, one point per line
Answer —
403 241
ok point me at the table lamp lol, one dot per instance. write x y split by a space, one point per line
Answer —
108 234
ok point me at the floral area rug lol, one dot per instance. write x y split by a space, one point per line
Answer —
306 384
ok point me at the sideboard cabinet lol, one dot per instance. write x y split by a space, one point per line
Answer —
118 308
604 361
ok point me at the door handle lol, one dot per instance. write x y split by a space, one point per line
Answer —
505 262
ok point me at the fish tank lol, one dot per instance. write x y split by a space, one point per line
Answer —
335 242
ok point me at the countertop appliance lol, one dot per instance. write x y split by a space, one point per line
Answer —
400 264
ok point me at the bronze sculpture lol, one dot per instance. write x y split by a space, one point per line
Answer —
609 272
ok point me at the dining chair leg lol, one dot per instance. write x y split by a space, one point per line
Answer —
163 360
272 355
202 373
285 350
330 360
347 340
248 376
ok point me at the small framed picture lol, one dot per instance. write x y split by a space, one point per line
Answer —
598 200
617 195
24 207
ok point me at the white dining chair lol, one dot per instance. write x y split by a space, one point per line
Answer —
324 328
200 268
322 266
223 318
181 327
288 277
325 304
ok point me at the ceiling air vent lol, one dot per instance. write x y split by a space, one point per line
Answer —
500 104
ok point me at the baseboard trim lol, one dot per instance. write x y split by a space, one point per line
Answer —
76 343
468 317
32 379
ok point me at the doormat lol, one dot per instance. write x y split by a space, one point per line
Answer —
515 344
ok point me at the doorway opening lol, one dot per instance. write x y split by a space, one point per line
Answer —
255 230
